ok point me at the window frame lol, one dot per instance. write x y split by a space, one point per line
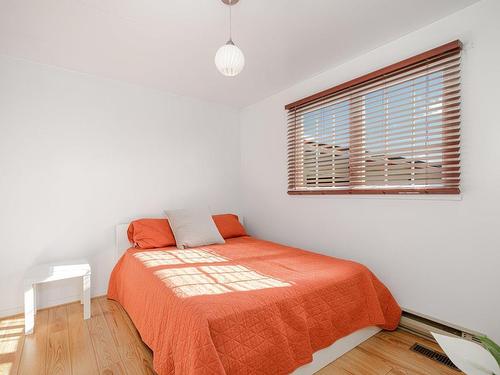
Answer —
350 189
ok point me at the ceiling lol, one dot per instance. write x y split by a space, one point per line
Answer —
170 44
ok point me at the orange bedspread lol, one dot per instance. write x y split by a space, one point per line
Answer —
245 307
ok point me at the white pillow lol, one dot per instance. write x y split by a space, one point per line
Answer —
193 227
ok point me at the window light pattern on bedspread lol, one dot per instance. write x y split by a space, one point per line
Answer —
172 257
203 280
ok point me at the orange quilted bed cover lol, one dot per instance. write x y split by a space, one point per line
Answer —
245 307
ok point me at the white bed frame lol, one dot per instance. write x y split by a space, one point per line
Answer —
122 243
320 359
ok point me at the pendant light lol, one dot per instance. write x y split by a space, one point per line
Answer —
229 59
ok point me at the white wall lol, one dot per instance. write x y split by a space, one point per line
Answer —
439 256
79 154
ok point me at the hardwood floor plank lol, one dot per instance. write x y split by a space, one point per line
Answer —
406 340
334 369
124 340
83 359
11 344
360 362
145 352
395 350
107 356
398 372
57 355
403 339
33 359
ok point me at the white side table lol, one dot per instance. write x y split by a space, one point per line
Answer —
44 273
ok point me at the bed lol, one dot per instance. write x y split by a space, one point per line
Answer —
247 306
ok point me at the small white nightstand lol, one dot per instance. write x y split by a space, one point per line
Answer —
44 273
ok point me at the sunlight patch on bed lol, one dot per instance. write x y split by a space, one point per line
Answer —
208 280
175 257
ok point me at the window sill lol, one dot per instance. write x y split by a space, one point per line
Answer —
448 194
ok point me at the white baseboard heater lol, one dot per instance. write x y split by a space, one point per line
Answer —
422 325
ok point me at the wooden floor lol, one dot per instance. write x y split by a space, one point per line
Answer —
63 343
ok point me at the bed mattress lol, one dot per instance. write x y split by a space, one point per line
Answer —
245 307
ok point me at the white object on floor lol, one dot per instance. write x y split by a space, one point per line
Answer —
468 356
323 357
45 273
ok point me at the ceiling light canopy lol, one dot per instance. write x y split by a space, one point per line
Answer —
229 59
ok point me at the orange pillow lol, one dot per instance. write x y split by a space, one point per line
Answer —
229 226
150 233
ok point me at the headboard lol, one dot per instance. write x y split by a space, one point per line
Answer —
121 239
121 243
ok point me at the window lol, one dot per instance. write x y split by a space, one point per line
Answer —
393 131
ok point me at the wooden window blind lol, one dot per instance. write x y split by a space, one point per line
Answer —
393 131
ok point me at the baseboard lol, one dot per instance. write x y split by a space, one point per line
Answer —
50 303
422 325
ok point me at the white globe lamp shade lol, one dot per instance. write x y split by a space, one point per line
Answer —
229 60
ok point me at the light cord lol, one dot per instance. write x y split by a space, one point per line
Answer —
230 20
